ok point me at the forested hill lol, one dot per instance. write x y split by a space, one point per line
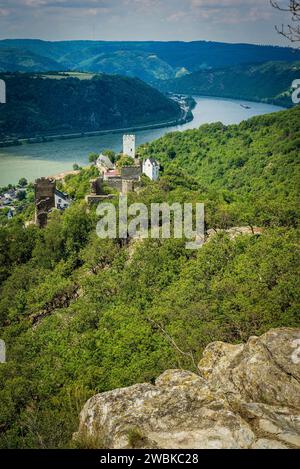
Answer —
82 315
253 168
149 61
269 82
41 104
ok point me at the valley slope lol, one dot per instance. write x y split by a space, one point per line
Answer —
150 61
82 315
59 103
269 82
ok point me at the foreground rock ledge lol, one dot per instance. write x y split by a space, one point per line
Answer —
245 396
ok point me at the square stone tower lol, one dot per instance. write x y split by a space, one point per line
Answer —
129 145
44 200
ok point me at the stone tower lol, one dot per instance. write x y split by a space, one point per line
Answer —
2 92
44 200
129 145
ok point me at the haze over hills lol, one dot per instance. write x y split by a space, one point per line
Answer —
150 61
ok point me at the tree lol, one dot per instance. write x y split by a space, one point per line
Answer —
111 155
21 195
23 182
290 31
125 161
76 167
93 157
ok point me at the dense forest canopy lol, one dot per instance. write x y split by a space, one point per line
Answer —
270 82
82 315
41 104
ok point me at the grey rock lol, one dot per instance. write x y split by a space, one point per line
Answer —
246 396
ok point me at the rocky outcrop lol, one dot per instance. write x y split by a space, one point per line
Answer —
62 300
235 231
245 396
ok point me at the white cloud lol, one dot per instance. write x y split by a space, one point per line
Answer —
140 19
4 12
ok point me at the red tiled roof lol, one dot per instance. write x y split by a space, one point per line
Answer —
112 173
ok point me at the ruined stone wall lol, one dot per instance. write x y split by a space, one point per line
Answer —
114 183
127 186
97 186
93 199
131 172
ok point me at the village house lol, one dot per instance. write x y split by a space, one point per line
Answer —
151 168
11 213
48 197
61 200
11 194
103 163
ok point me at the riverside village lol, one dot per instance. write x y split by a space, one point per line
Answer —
118 176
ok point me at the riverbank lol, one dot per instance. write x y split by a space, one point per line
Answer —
54 157
186 104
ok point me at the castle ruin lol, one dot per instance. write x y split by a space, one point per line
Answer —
44 200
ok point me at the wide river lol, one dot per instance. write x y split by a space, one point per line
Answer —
50 158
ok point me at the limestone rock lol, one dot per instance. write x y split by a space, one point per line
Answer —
235 231
264 443
266 369
246 396
178 412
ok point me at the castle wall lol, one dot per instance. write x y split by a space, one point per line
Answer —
115 183
128 186
94 199
97 186
131 172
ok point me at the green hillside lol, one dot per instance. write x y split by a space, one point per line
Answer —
82 315
43 105
150 61
146 66
21 60
269 82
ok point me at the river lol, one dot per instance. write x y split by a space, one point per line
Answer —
49 158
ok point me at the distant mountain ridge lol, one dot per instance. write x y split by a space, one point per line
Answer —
149 61
21 60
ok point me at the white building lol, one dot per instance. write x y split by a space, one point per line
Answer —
10 213
151 168
129 145
62 201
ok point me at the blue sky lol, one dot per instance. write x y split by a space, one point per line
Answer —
224 20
